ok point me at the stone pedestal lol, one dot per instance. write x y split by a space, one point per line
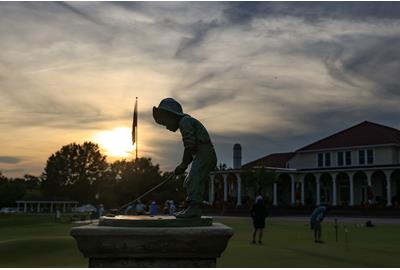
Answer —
132 246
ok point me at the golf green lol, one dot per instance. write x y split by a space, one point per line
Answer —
38 241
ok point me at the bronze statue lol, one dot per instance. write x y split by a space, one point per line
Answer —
198 149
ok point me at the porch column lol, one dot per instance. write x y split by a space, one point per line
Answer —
51 207
334 191
317 177
17 206
24 207
275 197
292 200
369 183
239 190
225 187
212 189
38 207
302 189
388 188
351 174
63 207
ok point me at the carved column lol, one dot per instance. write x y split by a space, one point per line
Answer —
292 190
302 181
225 187
317 178
388 188
275 197
351 174
239 190
334 189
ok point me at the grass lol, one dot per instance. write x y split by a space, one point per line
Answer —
290 244
38 241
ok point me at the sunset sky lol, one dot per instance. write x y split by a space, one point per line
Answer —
272 76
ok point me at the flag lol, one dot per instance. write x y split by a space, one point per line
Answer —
134 125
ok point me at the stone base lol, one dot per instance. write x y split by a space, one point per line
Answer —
154 221
108 246
152 263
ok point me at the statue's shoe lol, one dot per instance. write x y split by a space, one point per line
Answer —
189 213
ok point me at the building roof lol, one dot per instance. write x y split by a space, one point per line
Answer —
362 134
277 160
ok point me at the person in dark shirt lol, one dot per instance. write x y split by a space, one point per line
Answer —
258 214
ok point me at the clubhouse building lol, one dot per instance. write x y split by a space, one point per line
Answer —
356 166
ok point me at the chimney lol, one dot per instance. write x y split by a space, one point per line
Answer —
237 156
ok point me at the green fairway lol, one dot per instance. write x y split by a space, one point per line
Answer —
290 244
37 241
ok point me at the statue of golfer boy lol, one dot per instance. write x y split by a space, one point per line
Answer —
198 149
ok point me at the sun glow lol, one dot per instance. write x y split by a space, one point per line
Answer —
116 142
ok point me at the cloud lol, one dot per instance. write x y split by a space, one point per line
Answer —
10 160
272 76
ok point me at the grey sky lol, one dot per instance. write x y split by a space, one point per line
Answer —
272 76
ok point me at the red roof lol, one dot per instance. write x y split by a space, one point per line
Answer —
365 133
277 160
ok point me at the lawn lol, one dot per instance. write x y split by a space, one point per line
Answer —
38 241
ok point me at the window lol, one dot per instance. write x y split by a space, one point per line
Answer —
348 157
370 156
361 157
320 160
340 159
327 159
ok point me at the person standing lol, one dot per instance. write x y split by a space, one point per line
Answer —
172 208
316 219
258 214
153 209
140 208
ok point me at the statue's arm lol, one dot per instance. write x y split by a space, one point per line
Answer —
187 156
189 140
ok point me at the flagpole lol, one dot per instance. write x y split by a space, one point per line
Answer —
136 133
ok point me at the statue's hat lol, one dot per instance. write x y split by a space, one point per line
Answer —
168 105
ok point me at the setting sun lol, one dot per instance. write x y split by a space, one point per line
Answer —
116 142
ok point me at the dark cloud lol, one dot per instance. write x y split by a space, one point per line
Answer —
244 12
79 13
199 32
10 160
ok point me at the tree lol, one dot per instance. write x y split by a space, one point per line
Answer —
258 179
10 191
127 180
74 172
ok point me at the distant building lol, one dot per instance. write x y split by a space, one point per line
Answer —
357 166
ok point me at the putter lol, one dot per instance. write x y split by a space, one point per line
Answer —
141 196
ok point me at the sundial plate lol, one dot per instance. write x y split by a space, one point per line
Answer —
153 221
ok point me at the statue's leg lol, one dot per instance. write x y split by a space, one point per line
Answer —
194 183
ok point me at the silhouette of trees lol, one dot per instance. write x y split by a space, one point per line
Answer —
10 191
128 180
74 172
80 172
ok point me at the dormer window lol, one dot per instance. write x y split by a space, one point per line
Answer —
348 158
327 159
361 157
320 159
324 159
365 156
340 159
370 156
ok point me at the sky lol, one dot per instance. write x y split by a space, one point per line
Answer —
272 76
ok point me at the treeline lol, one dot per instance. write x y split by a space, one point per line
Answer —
80 172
